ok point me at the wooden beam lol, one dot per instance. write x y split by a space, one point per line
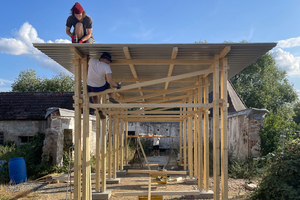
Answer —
224 52
153 82
122 144
156 172
190 142
216 138
184 142
204 195
103 151
151 112
171 67
159 93
77 128
200 135
76 52
110 155
224 134
152 119
206 137
195 140
153 105
86 165
126 143
98 153
162 62
132 68
115 120
151 79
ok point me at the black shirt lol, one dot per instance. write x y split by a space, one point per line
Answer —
87 23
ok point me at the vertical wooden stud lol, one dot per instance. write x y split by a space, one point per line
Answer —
103 159
190 142
110 155
126 143
206 138
115 120
195 141
200 141
122 144
77 128
98 153
216 127
224 134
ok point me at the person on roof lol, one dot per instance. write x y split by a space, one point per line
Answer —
82 23
98 70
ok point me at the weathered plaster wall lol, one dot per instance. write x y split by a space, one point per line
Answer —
15 128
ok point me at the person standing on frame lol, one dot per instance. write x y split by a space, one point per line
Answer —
156 145
82 23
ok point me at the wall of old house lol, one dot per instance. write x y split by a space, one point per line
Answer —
13 129
59 134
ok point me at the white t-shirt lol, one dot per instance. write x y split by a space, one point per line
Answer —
156 141
96 73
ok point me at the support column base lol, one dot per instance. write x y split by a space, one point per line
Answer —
191 181
101 195
126 167
112 181
121 173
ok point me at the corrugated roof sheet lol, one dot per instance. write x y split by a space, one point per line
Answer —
240 56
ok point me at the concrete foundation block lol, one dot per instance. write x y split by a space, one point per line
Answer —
101 195
126 167
191 181
112 181
205 195
121 173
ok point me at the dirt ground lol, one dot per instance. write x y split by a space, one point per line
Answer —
131 182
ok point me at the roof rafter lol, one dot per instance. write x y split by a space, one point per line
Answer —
132 68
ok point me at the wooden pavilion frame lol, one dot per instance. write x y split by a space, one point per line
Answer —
210 73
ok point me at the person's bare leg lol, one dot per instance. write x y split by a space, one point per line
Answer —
79 30
158 152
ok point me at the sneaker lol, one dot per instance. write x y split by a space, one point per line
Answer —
102 116
112 100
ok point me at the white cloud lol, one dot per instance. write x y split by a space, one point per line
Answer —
287 61
143 33
22 45
5 81
1 83
288 43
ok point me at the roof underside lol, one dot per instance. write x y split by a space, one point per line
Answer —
240 56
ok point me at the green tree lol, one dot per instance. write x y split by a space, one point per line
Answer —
297 112
264 85
29 81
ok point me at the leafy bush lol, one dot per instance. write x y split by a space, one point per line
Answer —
282 179
242 168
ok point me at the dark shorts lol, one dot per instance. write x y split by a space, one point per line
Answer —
156 147
90 40
99 89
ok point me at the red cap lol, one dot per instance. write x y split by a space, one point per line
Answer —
77 8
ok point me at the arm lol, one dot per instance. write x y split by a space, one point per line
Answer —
68 31
88 34
110 81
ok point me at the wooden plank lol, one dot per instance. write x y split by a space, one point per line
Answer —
216 139
190 143
86 166
77 129
159 94
132 68
150 79
208 195
152 116
224 134
195 140
118 144
162 62
122 144
206 137
200 141
98 153
115 120
156 172
184 143
152 105
138 139
153 82
180 137
225 51
152 112
76 52
110 155
126 143
171 67
103 150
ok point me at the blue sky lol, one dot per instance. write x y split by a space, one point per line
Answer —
136 21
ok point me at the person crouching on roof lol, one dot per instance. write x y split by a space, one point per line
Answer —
98 70
82 23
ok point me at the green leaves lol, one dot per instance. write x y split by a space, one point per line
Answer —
29 81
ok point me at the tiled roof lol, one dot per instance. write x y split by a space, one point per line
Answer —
32 105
